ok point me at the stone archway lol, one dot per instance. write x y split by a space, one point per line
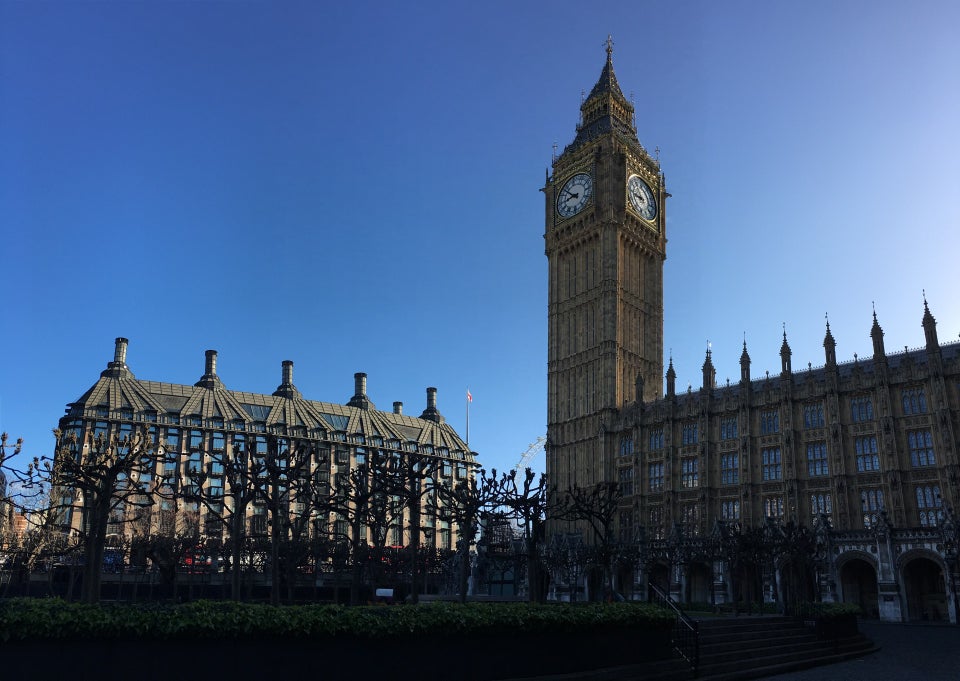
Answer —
858 585
699 583
624 581
596 584
659 577
796 584
925 590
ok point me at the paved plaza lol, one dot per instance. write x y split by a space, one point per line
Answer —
924 652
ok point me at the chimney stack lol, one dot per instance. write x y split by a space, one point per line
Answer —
286 387
209 378
210 367
360 399
118 367
431 413
398 407
120 352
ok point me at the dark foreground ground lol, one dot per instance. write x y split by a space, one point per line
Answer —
908 652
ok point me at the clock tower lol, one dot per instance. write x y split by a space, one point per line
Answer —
605 245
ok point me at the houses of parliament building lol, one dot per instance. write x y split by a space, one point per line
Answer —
863 452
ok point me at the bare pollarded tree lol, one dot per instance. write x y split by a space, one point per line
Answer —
363 505
597 507
466 503
526 501
109 480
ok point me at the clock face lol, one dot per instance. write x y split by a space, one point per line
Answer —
574 195
641 198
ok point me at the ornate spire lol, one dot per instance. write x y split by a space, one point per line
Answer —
709 372
876 334
829 345
606 109
608 79
671 378
745 362
929 326
785 353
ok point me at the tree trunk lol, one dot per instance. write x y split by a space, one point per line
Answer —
93 548
533 576
357 573
468 531
415 550
236 551
274 555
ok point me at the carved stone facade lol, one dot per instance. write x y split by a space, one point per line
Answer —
605 243
865 451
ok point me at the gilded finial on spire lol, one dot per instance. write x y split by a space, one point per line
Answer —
609 46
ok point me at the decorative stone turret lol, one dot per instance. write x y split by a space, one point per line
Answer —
929 328
671 380
431 413
360 399
745 366
709 372
785 355
876 334
830 348
606 109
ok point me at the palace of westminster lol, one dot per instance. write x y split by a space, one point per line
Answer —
865 451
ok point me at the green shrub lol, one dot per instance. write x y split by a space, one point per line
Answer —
32 619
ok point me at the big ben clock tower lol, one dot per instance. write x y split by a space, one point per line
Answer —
605 244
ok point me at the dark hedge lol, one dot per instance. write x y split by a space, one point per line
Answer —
53 619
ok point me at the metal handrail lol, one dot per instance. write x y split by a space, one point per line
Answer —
686 631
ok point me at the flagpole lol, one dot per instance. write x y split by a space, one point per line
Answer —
468 417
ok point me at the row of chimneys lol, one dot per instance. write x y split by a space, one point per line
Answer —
286 388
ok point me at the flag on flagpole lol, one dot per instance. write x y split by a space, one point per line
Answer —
469 396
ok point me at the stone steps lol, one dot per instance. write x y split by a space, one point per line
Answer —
755 647
735 649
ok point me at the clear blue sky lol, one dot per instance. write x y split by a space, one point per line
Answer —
354 186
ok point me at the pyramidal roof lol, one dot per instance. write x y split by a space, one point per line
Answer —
606 110
607 84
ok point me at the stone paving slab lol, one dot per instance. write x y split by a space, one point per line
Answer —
908 652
